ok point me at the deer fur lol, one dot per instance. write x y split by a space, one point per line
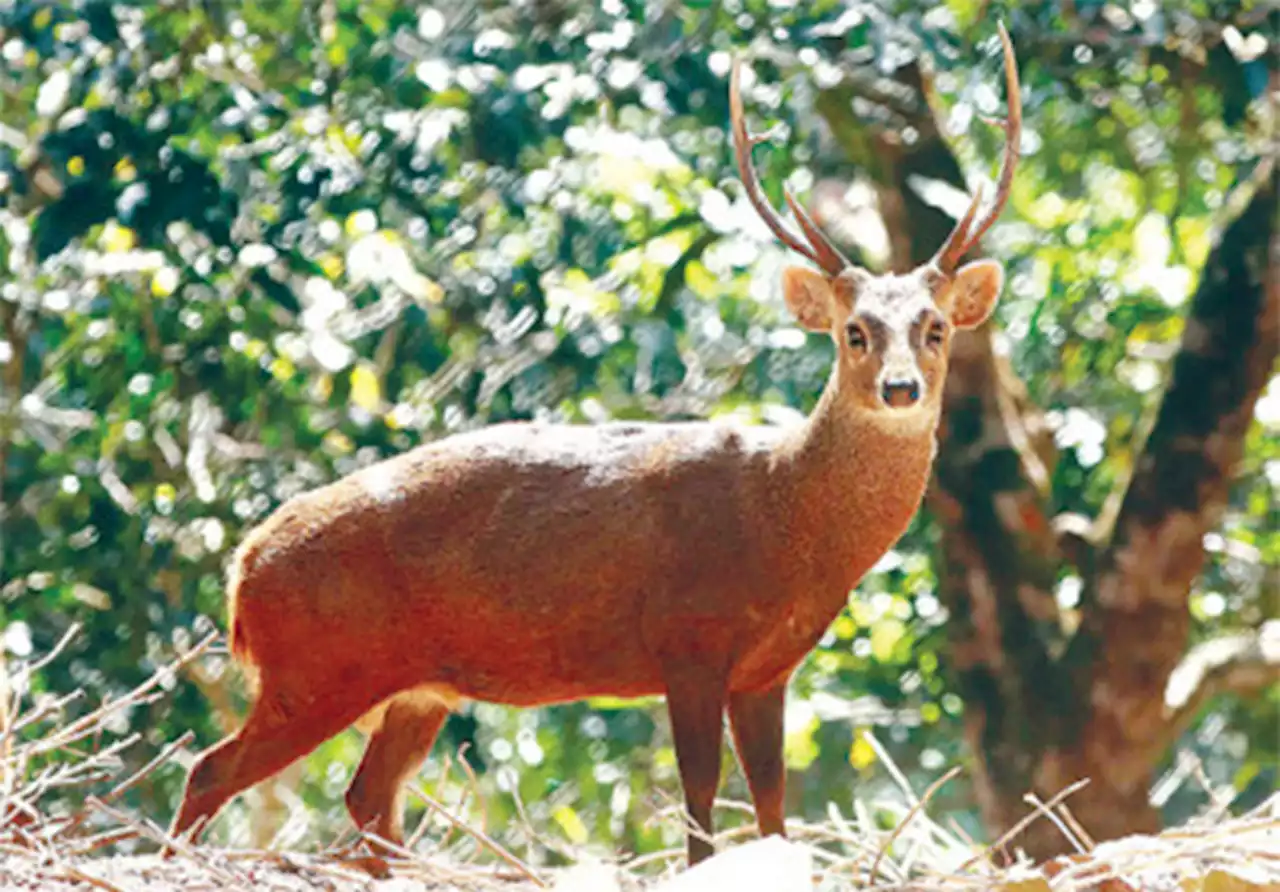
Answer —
531 564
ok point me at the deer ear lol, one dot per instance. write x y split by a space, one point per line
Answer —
808 296
973 293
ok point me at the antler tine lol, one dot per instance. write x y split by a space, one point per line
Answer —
965 235
1012 140
957 242
820 252
829 256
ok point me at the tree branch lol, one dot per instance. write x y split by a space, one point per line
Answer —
11 377
1134 624
1228 352
1239 664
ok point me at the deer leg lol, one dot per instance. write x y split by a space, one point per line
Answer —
756 720
696 708
276 733
395 751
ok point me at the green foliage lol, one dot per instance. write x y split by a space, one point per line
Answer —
250 248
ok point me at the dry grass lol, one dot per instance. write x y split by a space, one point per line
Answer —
44 847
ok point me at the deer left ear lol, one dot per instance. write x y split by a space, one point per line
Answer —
973 293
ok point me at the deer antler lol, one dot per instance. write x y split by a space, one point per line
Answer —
819 248
966 232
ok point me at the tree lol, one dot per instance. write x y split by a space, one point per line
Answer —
1105 693
1098 710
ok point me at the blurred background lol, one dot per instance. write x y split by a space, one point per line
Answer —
248 248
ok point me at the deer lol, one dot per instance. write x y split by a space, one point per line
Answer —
534 563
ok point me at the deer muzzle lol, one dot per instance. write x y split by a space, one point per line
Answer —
900 393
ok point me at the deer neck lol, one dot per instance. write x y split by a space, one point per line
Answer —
853 481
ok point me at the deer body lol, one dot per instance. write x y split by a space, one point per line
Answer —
554 563
531 564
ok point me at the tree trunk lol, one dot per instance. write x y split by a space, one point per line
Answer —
1135 625
1045 707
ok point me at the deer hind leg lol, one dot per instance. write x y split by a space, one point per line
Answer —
696 708
756 720
278 731
410 724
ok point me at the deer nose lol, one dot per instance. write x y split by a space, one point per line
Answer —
900 393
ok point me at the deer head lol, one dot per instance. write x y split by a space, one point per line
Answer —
892 332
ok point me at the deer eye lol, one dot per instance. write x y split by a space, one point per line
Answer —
856 335
936 334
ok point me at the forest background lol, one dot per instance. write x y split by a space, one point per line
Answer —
247 248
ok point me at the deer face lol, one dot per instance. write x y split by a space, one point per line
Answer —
893 332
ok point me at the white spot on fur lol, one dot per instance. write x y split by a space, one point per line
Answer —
907 422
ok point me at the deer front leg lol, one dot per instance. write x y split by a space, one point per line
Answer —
756 719
696 706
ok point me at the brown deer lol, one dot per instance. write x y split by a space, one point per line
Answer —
530 564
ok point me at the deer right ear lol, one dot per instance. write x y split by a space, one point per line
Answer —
808 295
